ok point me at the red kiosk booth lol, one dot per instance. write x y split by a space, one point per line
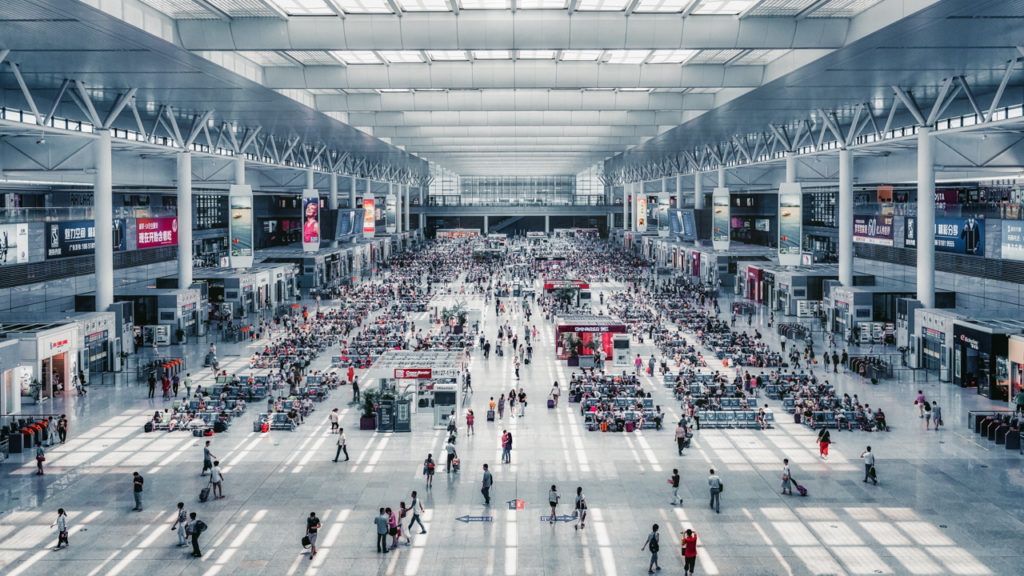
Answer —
586 327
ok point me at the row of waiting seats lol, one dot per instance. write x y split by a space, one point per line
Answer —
1001 427
734 419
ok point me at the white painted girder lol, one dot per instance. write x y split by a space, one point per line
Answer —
525 100
536 118
509 131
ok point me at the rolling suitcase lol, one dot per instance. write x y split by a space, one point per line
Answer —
801 490
204 494
629 426
148 427
551 403
490 415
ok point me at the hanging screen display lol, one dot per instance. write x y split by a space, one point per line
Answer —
720 218
369 218
241 226
310 220
790 224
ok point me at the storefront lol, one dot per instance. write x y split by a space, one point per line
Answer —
164 316
577 334
1015 363
48 356
981 356
932 349
868 313
800 290
97 331
427 379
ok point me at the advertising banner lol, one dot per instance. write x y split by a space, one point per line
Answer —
1013 240
391 214
960 235
240 226
13 244
790 223
720 219
155 232
641 214
663 220
343 224
78 238
369 223
310 220
873 229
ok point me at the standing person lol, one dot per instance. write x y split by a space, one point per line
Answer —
674 481
787 481
1018 410
312 526
920 402
501 406
207 459
553 498
486 486
824 439
175 382
62 428
217 479
416 507
342 445
195 528
653 544
137 482
680 437
835 362
506 446
715 485
522 403
40 458
580 509
869 466
179 524
188 385
334 422
62 529
450 449
782 341
689 552
381 521
428 469
936 414
469 422
152 384
638 363
355 390
393 529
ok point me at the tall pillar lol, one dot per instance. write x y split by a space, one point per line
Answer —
309 179
103 212
925 218
625 206
486 222
332 198
679 191
721 176
698 191
352 194
369 191
790 167
184 219
845 216
547 224
239 170
405 209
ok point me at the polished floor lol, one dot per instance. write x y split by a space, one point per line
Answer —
946 503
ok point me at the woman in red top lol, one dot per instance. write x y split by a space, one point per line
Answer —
689 551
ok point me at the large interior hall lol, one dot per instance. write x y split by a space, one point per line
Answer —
511 287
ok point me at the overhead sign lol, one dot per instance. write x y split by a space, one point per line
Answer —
790 223
664 225
155 232
391 214
556 284
13 244
1013 240
960 235
310 220
240 227
369 222
78 238
641 214
873 229
720 218
413 373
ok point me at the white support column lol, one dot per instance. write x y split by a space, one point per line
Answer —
332 198
309 179
679 191
103 212
925 218
486 222
698 191
184 219
845 215
239 170
790 167
369 190
547 224
625 206
405 209
721 176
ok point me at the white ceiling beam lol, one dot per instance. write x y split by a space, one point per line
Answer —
213 9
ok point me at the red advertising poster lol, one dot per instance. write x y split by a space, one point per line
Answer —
369 223
154 232
413 373
556 284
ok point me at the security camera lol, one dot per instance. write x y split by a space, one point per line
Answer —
41 141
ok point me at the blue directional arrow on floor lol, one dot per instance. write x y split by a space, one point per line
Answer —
562 518
467 519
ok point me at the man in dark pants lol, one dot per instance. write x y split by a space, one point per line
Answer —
382 531
195 528
342 445
486 489
137 487
152 385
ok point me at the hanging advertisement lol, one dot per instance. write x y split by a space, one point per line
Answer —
664 224
873 229
155 232
790 223
641 214
1013 240
13 244
240 226
960 235
343 224
720 218
369 218
390 214
310 220
78 238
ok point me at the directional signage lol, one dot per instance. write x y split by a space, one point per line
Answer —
467 519
516 504
414 373
560 518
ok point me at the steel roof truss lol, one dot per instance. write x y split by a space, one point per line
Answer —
169 112
56 102
250 137
970 97
84 103
120 103
135 114
25 91
907 98
1002 85
209 141
198 122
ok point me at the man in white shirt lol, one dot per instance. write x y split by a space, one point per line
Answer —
342 445
869 466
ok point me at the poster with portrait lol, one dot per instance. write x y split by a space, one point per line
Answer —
790 223
959 235
240 229
310 220
369 218
641 214
664 225
13 244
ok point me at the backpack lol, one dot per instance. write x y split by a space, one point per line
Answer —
200 527
653 545
927 407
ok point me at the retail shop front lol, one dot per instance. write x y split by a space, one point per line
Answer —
10 388
1015 352
48 354
981 355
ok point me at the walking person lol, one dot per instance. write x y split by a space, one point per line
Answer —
393 529
936 414
674 481
469 422
501 406
824 439
680 437
137 482
869 466
553 498
428 469
580 509
653 544
62 529
188 385
342 445
40 458
208 458
450 449
334 422
195 528
217 480
416 507
787 480
920 402
62 428
715 485
689 552
486 486
152 384
312 527
179 525
381 521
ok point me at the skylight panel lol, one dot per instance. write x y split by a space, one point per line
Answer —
189 10
671 56
760 57
266 58
601 5
842 8
484 4
447 55
541 4
714 56
312 57
536 54
423 5
664 6
492 54
356 56
581 54
303 7
364 6
723 7
626 56
781 7
401 56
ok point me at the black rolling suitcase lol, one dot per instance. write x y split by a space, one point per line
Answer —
490 415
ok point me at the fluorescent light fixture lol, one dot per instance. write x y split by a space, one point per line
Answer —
536 54
356 56
364 6
484 4
723 7
634 89
664 6
447 55
671 56
423 5
394 90
581 54
401 56
492 54
303 7
601 5
626 56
